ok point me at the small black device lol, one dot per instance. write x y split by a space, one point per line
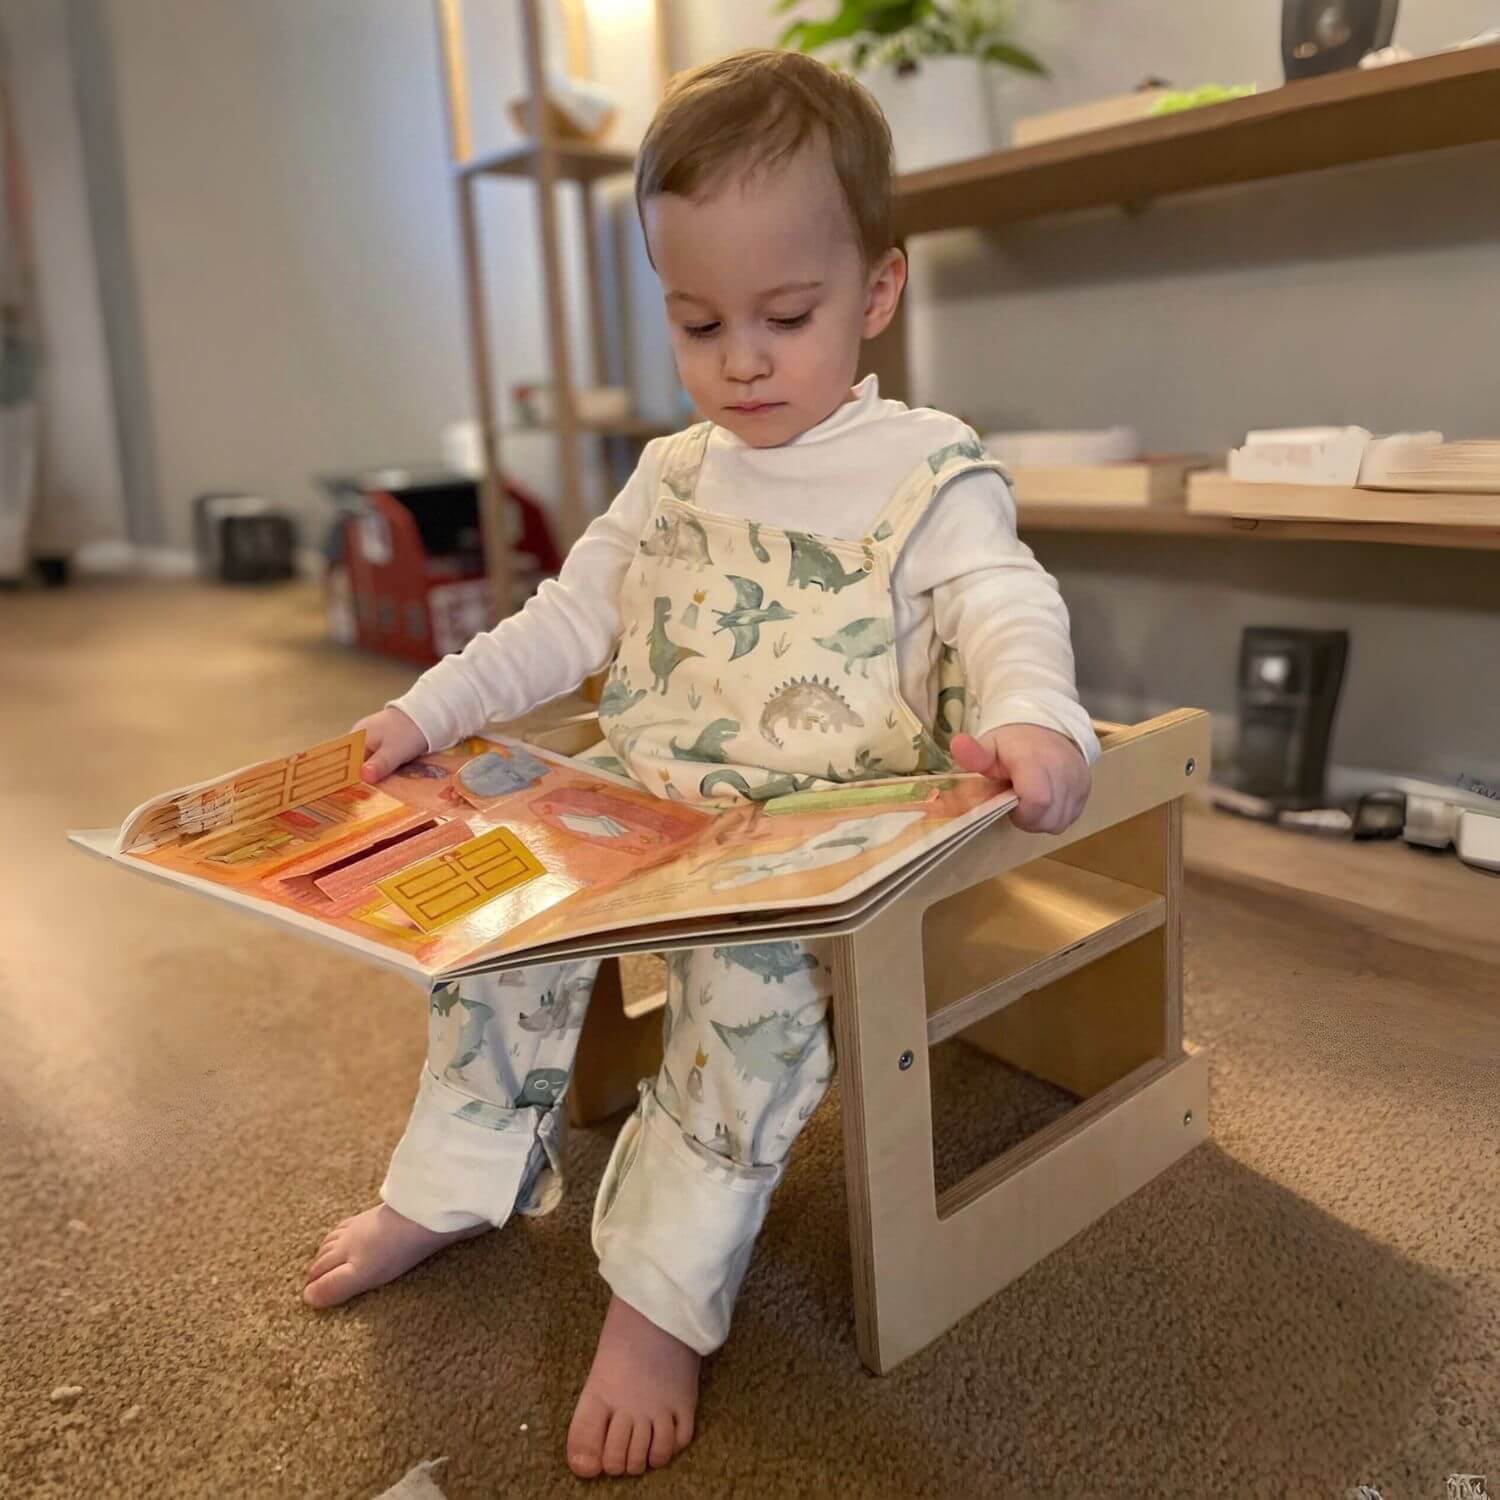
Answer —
1322 36
243 539
1289 683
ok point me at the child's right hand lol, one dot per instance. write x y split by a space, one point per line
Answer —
391 739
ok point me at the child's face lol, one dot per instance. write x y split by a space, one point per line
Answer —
768 296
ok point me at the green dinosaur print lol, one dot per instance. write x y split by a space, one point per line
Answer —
807 703
678 539
543 1087
443 998
617 696
930 755
949 723
860 641
775 785
771 961
477 1015
743 622
770 1047
756 545
709 745
813 563
965 448
865 768
563 1009
490 1116
627 741
665 654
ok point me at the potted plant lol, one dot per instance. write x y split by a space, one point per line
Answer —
925 62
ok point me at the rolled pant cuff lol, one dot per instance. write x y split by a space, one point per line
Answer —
463 1162
674 1229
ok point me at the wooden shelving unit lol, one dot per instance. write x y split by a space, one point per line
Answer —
1428 104
549 162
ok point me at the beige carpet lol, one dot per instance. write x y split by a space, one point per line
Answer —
188 1099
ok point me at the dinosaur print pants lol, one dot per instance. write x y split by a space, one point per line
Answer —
748 1055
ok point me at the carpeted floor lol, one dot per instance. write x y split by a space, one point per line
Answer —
188 1099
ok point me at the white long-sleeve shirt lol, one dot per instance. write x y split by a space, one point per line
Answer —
963 575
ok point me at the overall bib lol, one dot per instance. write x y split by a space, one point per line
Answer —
756 661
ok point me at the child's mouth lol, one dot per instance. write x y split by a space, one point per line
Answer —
751 408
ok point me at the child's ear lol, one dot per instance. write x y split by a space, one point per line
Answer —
883 290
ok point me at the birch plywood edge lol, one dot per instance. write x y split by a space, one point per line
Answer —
1216 494
921 1262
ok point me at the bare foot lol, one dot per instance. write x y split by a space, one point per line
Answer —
637 1405
369 1250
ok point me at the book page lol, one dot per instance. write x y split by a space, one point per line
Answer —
431 864
493 848
786 856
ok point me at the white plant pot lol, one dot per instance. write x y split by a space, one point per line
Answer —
938 113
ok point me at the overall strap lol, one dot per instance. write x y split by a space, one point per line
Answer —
682 460
915 494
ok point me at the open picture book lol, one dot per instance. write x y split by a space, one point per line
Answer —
496 854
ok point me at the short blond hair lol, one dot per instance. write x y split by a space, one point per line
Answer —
755 109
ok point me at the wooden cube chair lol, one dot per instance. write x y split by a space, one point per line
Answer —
1060 956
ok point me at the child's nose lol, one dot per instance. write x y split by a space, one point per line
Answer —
745 357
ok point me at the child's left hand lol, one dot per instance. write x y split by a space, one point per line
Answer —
1046 769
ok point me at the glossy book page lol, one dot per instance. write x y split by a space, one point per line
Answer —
493 848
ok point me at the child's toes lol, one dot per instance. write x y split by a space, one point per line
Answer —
640 1446
617 1442
663 1440
586 1436
684 1422
325 1260
332 1287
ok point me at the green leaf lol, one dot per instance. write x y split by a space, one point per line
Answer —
808 36
1015 57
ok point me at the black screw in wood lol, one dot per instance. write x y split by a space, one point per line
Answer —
906 1061
1187 1119
1191 766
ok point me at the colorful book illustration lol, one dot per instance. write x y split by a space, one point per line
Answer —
496 854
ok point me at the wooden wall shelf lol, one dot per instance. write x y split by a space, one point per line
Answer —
575 162
1451 99
1216 494
1161 521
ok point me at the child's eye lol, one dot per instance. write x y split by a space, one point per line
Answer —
700 330
796 322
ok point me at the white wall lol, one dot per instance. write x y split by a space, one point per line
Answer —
81 497
293 230
1363 295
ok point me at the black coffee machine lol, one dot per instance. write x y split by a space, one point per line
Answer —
1323 36
1289 683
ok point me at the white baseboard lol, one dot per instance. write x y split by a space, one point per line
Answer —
126 560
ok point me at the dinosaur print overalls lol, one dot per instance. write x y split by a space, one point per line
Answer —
760 661
754 661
